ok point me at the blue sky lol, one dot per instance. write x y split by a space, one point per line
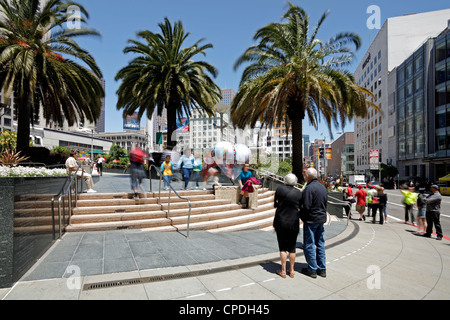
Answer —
229 25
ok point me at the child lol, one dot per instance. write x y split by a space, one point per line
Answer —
243 177
167 169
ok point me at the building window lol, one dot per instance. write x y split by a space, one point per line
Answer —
440 74
401 149
409 108
418 104
409 71
441 143
440 52
409 127
440 96
420 144
418 84
419 123
401 76
440 119
409 146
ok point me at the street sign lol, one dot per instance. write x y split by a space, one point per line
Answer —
374 156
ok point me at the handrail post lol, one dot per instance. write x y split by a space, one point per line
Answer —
168 204
150 178
189 218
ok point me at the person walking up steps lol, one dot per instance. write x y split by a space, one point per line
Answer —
167 170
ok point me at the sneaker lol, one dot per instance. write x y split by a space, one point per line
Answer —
439 238
309 273
426 235
91 191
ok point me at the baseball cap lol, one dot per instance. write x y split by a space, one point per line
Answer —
434 186
360 186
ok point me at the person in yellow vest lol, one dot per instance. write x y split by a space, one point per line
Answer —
371 207
409 200
167 170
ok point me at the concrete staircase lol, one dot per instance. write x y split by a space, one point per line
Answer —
99 212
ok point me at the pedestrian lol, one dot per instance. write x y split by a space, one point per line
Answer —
349 199
371 208
433 214
196 170
99 164
72 166
286 222
421 211
313 213
137 158
379 201
409 200
186 164
243 177
167 172
361 195
210 169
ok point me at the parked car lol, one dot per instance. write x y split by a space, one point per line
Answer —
373 183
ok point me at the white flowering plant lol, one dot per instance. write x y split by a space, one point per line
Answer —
6 171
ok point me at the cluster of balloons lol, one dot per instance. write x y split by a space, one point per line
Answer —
231 158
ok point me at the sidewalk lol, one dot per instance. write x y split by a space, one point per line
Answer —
364 262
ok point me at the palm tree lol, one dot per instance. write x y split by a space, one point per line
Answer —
164 75
293 75
35 50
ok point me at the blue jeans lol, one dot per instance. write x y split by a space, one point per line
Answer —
314 246
186 176
167 180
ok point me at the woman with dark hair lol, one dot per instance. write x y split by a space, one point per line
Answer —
287 222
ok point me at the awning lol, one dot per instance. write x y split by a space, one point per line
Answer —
97 152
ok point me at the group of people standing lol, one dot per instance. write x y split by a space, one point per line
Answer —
428 209
376 200
310 206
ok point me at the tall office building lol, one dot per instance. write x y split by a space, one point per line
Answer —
398 38
423 111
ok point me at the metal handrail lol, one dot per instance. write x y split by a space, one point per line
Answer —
61 196
158 171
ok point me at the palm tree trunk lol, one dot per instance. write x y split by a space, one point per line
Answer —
23 126
171 128
297 147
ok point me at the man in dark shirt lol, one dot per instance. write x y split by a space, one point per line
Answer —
433 202
314 215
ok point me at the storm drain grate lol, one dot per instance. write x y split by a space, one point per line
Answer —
190 274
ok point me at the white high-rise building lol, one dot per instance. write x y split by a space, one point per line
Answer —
397 39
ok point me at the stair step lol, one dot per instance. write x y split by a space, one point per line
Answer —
115 225
262 224
226 222
111 217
